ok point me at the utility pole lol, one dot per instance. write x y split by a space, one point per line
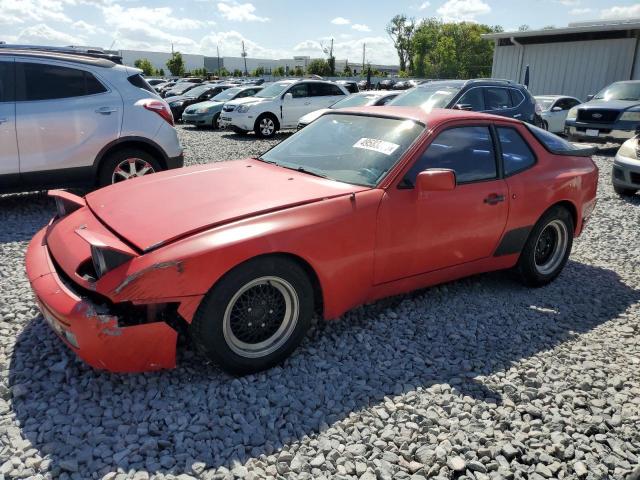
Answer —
244 55
364 49
218 51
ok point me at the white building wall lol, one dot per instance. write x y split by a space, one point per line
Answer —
159 59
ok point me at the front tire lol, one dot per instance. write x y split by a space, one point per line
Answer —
126 164
624 192
266 126
255 316
547 249
215 121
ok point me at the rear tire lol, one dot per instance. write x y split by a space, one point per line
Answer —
214 122
125 164
624 192
255 316
547 249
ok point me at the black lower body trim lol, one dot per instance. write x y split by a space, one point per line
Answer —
513 241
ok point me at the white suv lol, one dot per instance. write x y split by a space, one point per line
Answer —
69 119
279 106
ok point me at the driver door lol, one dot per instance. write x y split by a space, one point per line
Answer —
420 232
294 108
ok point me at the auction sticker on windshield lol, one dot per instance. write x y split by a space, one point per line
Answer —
380 146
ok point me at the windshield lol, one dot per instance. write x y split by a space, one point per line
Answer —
620 91
545 103
226 94
361 151
427 97
197 91
273 90
354 101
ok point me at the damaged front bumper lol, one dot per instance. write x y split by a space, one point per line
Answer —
94 332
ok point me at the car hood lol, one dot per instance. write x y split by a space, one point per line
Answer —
240 101
206 104
610 104
311 116
175 98
154 210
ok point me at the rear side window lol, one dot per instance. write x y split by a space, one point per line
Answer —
138 81
468 151
496 98
324 90
7 82
516 97
516 154
555 144
48 82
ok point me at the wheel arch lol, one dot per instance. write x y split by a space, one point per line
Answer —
268 114
571 208
141 143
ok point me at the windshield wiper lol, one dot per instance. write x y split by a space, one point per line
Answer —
310 172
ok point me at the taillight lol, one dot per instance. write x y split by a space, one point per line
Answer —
159 107
538 108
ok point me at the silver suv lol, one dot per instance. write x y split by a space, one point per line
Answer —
70 118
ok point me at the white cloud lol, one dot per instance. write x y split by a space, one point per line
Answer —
379 50
43 34
231 46
85 27
463 10
34 10
161 17
361 27
580 11
424 5
626 12
569 3
239 12
341 21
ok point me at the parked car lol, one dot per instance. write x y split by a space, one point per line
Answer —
279 106
155 81
498 97
362 204
190 80
73 119
208 113
362 85
163 87
387 84
612 114
350 86
554 110
370 97
195 95
402 85
625 175
180 88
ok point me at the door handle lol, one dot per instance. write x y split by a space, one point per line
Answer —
307 103
106 110
517 115
493 199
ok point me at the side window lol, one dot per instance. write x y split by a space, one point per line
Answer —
468 151
496 98
7 82
324 90
385 100
472 100
516 154
335 90
47 82
299 90
572 102
516 97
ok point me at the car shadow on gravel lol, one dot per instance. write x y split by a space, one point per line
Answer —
23 214
177 421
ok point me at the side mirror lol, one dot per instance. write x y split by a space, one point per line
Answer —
436 180
589 97
288 97
556 109
463 106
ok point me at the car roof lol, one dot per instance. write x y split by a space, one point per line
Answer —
60 56
435 116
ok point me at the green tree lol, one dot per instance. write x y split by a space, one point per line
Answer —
318 66
401 30
176 64
524 28
224 72
403 74
258 72
161 72
452 50
298 71
144 65
278 71
347 70
237 72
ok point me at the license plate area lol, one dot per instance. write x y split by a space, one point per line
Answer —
592 132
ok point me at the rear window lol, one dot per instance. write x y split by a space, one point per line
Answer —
558 145
138 81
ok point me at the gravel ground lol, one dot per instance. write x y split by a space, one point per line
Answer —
476 379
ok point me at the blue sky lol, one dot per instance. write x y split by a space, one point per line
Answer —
271 28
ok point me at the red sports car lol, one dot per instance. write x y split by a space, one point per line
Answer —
360 205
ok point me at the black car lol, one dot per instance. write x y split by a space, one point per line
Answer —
198 94
498 97
180 88
350 85
387 84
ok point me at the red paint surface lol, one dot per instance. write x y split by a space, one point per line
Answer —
362 244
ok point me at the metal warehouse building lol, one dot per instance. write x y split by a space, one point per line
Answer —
577 60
